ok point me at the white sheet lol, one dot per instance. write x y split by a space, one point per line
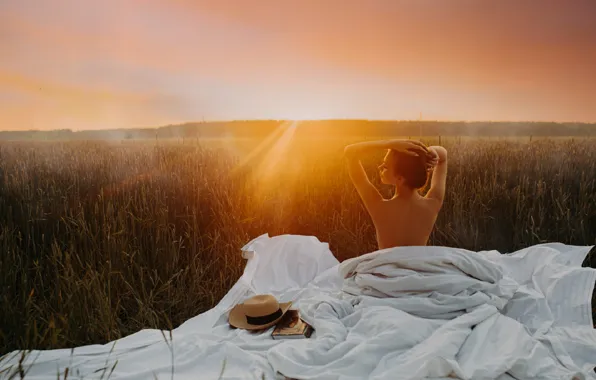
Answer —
433 312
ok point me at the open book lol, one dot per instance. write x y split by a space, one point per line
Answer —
291 326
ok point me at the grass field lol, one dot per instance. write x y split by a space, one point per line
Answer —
99 240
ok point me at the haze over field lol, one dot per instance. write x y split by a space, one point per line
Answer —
129 64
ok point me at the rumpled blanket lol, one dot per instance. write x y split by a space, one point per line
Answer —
435 312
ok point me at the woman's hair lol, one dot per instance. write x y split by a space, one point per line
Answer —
412 168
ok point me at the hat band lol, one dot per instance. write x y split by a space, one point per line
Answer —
263 320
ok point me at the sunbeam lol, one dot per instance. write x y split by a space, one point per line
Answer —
262 146
273 157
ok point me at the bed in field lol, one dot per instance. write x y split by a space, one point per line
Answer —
400 313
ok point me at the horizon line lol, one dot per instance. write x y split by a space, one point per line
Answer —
222 121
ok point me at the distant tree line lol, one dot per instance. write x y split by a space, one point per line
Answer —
319 128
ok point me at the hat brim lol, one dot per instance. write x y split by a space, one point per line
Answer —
238 319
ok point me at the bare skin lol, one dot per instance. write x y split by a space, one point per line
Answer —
408 218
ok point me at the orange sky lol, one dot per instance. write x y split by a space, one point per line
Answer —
115 63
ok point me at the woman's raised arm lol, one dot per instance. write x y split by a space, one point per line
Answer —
439 178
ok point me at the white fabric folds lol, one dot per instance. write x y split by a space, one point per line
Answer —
399 313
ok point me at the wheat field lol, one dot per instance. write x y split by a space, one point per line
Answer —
101 239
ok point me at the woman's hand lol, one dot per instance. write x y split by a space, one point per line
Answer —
411 147
432 159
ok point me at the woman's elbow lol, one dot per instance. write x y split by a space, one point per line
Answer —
348 152
441 152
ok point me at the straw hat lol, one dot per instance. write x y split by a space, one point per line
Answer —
258 312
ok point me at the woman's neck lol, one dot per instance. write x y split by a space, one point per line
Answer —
405 192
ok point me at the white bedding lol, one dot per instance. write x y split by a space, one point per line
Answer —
401 313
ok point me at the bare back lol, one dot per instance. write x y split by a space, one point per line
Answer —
404 222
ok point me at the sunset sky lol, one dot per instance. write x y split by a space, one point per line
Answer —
120 63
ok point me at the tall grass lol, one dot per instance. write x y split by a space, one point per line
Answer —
100 240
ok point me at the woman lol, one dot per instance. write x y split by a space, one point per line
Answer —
408 218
